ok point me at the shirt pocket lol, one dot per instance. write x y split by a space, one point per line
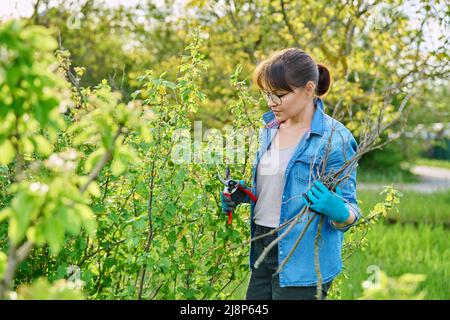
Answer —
307 168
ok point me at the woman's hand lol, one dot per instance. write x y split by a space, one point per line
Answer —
327 202
229 202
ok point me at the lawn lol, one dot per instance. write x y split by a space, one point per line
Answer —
402 175
433 163
398 249
416 240
387 176
415 207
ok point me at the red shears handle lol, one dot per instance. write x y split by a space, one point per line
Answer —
247 192
230 213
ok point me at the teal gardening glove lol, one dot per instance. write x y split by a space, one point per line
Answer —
327 202
229 203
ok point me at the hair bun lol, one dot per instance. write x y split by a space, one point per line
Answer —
324 80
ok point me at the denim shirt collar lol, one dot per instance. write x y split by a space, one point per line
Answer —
317 120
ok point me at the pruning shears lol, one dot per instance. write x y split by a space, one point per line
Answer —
231 187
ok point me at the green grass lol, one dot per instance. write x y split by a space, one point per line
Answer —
432 208
433 163
386 176
398 249
402 175
417 243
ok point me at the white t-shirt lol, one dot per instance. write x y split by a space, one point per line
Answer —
269 185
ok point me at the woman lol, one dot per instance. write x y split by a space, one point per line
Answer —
297 136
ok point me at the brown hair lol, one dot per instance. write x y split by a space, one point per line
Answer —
291 68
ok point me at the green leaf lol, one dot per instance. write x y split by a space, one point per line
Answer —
118 166
7 152
31 234
122 157
142 189
54 234
172 236
24 208
5 213
70 220
87 218
39 236
3 263
28 145
145 134
171 209
94 189
42 145
93 159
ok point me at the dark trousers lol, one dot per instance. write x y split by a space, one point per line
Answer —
264 285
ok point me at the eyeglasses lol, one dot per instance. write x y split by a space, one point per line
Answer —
276 98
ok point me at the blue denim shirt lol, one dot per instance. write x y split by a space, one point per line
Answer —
300 269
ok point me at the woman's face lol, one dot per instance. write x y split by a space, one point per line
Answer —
292 103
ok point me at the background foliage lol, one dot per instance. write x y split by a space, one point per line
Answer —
91 96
